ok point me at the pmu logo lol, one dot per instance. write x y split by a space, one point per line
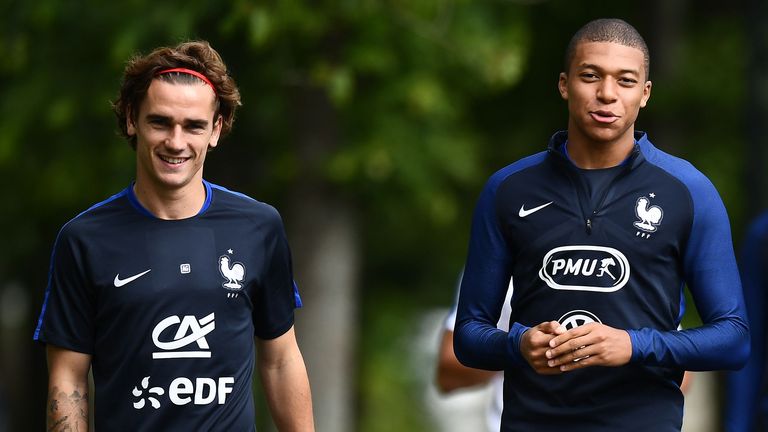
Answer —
190 330
585 268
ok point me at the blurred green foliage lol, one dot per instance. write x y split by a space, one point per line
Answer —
427 99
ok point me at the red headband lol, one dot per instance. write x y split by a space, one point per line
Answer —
190 72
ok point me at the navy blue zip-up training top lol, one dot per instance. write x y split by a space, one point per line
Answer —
621 259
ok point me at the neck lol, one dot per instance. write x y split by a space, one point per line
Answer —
173 204
588 153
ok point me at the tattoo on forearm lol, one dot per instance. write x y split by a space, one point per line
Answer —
67 412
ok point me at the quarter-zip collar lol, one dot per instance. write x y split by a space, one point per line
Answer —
557 150
635 158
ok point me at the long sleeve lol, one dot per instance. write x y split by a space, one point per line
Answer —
711 274
477 341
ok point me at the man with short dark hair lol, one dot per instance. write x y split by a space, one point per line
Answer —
167 288
601 232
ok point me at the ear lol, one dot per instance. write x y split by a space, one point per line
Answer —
646 94
562 85
216 133
130 127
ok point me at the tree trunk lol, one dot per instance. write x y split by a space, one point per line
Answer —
323 233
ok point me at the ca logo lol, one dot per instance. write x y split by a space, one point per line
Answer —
191 330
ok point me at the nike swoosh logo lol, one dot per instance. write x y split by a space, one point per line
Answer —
523 212
120 282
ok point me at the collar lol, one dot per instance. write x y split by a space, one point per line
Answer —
141 209
642 145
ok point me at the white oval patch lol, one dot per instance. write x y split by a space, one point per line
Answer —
585 268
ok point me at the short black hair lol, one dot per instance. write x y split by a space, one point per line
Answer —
609 30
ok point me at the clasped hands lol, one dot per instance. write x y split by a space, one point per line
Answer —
550 349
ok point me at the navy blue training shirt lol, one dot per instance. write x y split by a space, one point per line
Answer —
621 260
169 309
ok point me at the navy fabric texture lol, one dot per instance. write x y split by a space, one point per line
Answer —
169 309
622 260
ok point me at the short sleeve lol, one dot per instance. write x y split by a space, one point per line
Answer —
277 294
68 312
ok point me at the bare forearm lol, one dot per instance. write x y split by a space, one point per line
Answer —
67 408
285 381
457 376
289 397
452 375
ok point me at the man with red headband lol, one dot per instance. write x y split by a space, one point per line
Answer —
169 288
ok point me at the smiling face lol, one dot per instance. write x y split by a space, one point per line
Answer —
174 129
605 87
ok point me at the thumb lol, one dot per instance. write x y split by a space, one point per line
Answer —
551 327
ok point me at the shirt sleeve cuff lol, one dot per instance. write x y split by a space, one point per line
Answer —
514 339
634 340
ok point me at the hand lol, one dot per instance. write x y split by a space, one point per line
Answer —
592 344
535 343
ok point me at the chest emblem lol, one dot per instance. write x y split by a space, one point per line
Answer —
585 268
577 318
525 212
233 274
120 282
649 216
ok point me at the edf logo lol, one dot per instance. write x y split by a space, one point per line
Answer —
183 391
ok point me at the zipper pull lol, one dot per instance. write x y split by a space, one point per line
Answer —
589 226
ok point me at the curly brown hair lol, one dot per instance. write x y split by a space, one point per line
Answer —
195 55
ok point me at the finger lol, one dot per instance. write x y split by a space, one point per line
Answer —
571 334
560 329
537 359
539 339
582 363
551 327
569 346
574 355
565 337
